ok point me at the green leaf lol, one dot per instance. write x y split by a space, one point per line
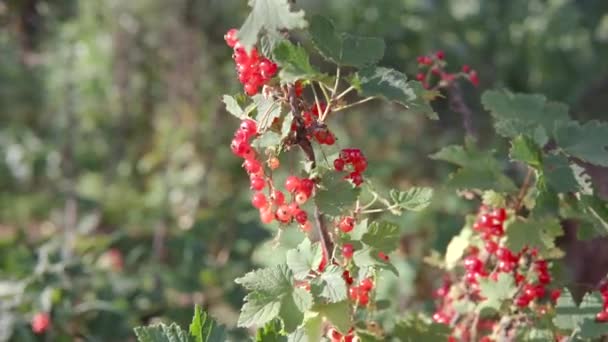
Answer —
523 149
294 62
161 333
383 236
336 194
581 318
479 169
270 332
494 199
414 329
286 126
310 331
421 105
529 115
533 233
392 85
334 286
368 257
343 48
559 174
233 107
587 142
204 329
496 292
414 199
271 16
268 139
267 111
596 210
272 295
339 314
305 257
456 248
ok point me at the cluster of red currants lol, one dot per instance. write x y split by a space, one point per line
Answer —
273 206
529 271
360 293
355 158
254 71
602 316
335 336
322 134
432 68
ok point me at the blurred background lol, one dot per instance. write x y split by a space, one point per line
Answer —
120 202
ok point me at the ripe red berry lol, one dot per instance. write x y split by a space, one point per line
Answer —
292 183
346 224
257 183
367 284
347 250
474 78
466 69
40 322
339 164
383 256
420 76
284 214
306 186
440 54
602 316
266 215
251 89
301 216
252 166
249 128
278 198
301 197
259 200
230 37
363 298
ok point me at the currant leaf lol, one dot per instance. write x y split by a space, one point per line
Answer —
523 149
335 194
336 313
539 234
383 236
304 258
414 199
414 329
580 318
334 287
294 62
343 48
204 329
496 292
270 16
161 333
587 141
233 107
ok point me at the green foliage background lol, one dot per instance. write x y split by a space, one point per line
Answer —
113 135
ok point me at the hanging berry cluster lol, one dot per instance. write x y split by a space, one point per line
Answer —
530 274
311 122
433 75
253 70
335 336
273 204
357 161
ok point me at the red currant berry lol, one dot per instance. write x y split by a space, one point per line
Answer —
266 215
602 316
346 224
339 165
292 183
230 37
257 183
367 284
440 54
259 200
252 166
301 197
284 214
347 250
301 216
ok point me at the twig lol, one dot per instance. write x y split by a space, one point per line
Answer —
348 90
354 103
300 137
524 189
458 105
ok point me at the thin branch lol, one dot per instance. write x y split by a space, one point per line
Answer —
367 99
324 89
524 189
459 105
348 90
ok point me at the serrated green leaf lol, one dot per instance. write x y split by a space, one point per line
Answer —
334 287
360 229
421 105
496 292
523 149
310 331
392 85
383 236
336 194
414 329
286 126
456 248
479 169
596 210
368 257
270 332
343 48
540 234
414 199
339 314
305 257
233 107
558 174
272 295
268 139
204 329
587 142
269 16
525 114
267 111
161 333
570 317
294 62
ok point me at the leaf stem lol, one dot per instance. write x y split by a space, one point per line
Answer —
524 189
348 90
367 99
